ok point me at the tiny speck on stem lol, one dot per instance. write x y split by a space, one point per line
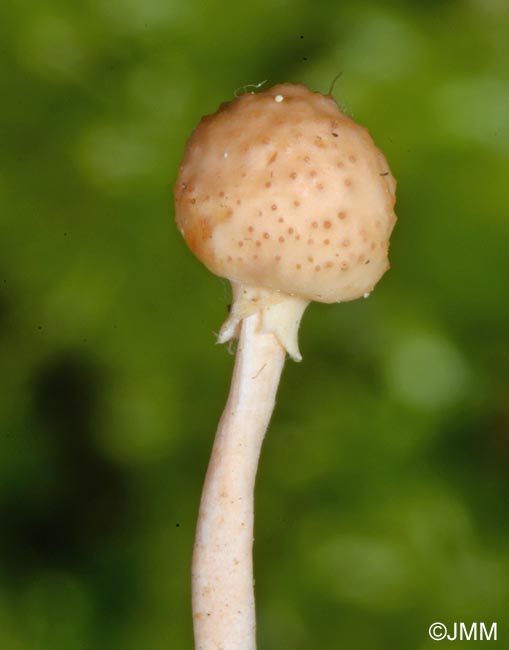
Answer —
257 375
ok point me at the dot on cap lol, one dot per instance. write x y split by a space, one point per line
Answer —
278 98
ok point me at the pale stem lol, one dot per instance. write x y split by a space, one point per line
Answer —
222 583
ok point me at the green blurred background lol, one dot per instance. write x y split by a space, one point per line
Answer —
383 491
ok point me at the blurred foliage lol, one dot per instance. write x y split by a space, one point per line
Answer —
383 487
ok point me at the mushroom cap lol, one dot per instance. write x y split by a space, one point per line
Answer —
281 190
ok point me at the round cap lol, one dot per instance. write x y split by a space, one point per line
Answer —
279 189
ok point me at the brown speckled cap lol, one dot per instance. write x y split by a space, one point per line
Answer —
281 190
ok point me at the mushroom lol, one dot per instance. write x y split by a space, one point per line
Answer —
289 199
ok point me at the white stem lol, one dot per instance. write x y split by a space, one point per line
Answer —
223 588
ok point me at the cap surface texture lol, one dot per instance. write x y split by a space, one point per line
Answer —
281 190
